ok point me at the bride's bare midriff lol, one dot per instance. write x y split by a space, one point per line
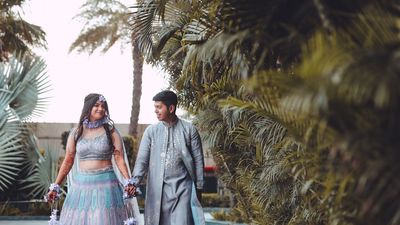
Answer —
94 164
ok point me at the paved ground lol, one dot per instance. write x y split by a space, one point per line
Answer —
45 222
27 222
23 222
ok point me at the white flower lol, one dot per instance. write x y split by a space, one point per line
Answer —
53 218
130 221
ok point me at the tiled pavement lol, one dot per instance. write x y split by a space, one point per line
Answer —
23 222
45 222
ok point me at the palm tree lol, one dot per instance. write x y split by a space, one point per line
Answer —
17 35
107 21
296 114
138 60
22 82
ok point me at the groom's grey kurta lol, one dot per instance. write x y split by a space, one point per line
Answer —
173 158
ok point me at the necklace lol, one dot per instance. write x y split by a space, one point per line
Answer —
95 124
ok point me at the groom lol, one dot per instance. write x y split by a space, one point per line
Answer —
171 153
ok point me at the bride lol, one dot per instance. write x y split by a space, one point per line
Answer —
96 165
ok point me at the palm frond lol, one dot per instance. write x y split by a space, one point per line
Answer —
11 158
23 84
18 36
31 150
143 25
45 171
28 81
103 37
154 23
306 138
105 23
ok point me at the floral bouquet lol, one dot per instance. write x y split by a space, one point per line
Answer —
54 205
53 218
130 221
131 215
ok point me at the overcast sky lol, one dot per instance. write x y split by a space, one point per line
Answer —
73 76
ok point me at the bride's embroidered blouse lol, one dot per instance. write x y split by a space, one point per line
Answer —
96 148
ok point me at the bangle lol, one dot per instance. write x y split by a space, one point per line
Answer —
55 187
133 181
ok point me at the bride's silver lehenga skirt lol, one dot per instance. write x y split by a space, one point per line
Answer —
95 198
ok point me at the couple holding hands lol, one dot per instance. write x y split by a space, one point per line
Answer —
101 189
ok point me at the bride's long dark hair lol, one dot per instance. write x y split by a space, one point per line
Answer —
89 102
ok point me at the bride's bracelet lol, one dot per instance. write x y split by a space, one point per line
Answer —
132 181
56 188
135 183
130 221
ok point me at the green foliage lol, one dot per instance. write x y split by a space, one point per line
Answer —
45 171
23 83
64 139
8 210
299 104
227 216
106 22
131 147
17 35
27 209
215 200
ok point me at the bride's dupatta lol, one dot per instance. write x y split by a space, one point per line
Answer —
130 203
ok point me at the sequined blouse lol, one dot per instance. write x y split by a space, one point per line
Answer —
96 148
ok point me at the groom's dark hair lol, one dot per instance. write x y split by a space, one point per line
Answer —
167 97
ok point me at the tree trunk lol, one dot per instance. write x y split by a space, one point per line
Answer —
137 88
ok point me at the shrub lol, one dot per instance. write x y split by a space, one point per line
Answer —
224 215
215 200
